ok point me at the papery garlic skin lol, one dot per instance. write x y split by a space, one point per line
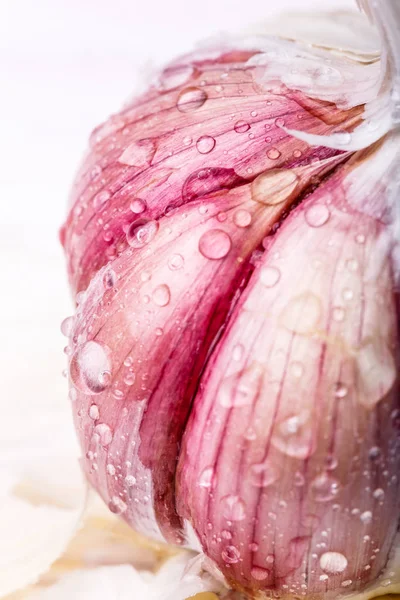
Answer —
234 358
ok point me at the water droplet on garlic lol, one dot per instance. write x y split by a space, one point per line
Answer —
190 99
241 126
161 295
90 367
215 244
333 562
317 215
205 144
233 508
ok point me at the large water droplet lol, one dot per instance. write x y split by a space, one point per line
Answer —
138 154
241 126
205 144
215 244
90 368
273 153
176 262
274 186
233 508
333 562
269 276
264 474
240 389
130 480
161 295
67 326
324 488
366 517
259 574
117 506
138 235
137 206
206 477
100 199
191 98
317 215
230 555
302 314
94 413
294 436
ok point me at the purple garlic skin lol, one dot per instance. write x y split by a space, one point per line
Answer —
233 359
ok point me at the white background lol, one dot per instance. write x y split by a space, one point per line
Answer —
64 66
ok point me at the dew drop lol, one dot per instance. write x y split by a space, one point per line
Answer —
100 199
263 474
226 534
273 153
90 368
352 265
294 436
191 98
341 390
317 215
360 238
137 206
253 547
338 314
274 186
346 583
117 506
259 574
242 218
176 262
324 488
215 244
94 412
161 295
105 434
239 389
129 378
205 144
374 453
230 555
366 517
233 508
138 154
67 326
333 562
379 494
347 294
130 480
269 276
241 126
206 477
139 235
110 469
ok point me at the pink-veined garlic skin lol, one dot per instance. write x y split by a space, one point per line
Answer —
234 354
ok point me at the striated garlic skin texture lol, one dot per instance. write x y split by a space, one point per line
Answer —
233 359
